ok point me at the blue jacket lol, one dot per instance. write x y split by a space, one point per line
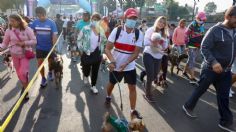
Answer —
218 46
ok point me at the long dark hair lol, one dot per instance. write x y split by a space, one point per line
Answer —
18 18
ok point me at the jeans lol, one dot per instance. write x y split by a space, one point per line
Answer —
192 54
152 67
222 84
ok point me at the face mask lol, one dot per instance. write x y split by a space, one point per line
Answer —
93 23
201 22
130 23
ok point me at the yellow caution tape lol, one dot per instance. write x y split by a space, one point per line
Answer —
18 103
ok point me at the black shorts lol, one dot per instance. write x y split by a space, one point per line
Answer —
129 76
41 54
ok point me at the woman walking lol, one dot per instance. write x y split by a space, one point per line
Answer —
92 42
19 38
155 42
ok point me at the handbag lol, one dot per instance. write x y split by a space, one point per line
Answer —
29 54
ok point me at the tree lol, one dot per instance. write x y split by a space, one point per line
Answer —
9 4
210 8
175 11
150 2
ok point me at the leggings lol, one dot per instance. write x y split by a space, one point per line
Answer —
152 67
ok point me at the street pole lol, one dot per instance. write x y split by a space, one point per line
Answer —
194 5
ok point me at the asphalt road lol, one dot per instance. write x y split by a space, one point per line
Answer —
73 108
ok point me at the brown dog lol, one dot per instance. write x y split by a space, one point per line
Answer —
109 124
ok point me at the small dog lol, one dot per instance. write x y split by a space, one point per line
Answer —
121 125
7 60
175 60
157 39
57 67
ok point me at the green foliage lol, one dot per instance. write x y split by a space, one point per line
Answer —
210 7
175 11
8 4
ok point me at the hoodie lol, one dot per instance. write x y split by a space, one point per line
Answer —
218 46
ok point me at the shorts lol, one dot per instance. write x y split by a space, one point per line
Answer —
41 54
192 54
129 77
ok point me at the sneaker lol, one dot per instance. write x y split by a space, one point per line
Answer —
43 82
108 100
149 99
50 76
231 91
26 96
136 114
230 94
94 89
189 112
228 128
193 81
142 75
185 75
86 80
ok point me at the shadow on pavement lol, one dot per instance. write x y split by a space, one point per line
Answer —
13 92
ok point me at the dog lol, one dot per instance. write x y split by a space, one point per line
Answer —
7 61
175 60
57 67
112 123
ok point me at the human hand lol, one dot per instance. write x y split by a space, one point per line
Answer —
217 68
112 66
122 67
22 44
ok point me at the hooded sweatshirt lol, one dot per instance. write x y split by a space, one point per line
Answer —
219 46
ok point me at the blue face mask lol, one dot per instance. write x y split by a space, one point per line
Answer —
93 23
130 23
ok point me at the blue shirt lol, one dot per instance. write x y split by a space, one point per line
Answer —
44 33
80 24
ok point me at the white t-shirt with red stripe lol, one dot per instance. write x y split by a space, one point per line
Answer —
124 47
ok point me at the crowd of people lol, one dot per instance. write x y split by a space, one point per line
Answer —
94 36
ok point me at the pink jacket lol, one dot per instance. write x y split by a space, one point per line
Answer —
10 40
179 36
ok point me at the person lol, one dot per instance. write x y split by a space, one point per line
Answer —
152 57
64 28
59 23
171 31
46 34
18 38
218 49
112 23
92 55
178 37
84 22
122 51
194 34
143 27
70 25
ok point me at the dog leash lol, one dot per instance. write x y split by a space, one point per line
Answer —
121 101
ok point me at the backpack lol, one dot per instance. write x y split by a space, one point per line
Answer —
136 32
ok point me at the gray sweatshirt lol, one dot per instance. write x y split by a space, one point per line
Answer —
218 46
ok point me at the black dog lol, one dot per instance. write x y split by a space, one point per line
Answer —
175 60
57 67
